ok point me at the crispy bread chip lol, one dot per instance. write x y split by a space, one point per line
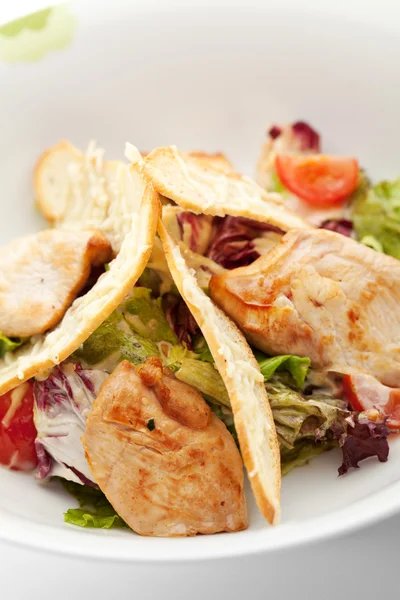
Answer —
132 224
243 380
218 160
202 188
82 191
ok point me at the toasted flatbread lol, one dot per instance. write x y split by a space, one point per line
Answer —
243 380
76 190
218 160
203 188
131 224
212 159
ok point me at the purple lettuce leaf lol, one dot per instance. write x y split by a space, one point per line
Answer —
199 228
232 245
62 404
342 226
365 438
305 137
180 319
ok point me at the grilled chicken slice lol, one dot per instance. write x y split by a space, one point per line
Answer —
41 275
321 295
165 462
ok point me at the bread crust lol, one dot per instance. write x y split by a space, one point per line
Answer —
239 369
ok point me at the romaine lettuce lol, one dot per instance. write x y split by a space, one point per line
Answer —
130 333
376 217
306 425
95 510
146 317
295 365
9 345
299 417
115 341
201 348
302 453
204 377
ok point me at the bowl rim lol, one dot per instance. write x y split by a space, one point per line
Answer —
70 541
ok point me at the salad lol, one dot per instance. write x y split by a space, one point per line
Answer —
146 369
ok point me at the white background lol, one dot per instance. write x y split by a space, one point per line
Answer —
361 565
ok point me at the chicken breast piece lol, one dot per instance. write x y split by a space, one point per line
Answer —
41 275
165 462
321 295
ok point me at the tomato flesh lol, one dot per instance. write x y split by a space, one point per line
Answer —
392 408
318 179
364 392
17 429
350 393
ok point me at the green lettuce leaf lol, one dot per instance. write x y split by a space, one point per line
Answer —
277 185
173 356
114 341
131 333
201 348
95 510
371 242
299 417
205 378
295 365
376 217
146 316
302 453
306 425
150 279
102 518
9 344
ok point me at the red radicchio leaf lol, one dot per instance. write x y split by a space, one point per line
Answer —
342 226
366 438
55 398
180 319
45 466
82 477
232 245
53 390
307 138
274 132
45 462
195 222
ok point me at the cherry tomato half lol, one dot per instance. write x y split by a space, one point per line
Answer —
364 392
318 179
17 429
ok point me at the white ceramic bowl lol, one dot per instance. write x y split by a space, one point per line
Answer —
213 78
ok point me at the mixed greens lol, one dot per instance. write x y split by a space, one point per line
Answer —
370 214
94 510
153 321
376 217
9 344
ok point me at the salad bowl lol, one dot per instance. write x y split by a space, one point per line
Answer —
213 78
